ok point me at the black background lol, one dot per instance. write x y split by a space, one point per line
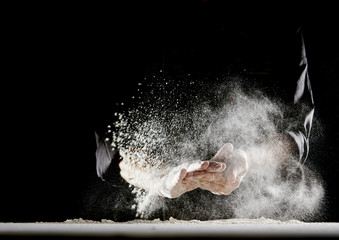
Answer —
69 65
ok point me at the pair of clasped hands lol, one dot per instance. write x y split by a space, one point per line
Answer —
220 175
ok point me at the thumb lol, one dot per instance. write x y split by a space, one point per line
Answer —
223 152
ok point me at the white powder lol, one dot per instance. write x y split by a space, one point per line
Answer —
183 122
172 220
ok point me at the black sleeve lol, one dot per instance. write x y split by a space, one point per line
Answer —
303 105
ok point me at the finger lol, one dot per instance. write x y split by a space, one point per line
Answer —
216 167
211 186
205 176
198 166
215 178
196 174
189 174
182 174
223 152
176 177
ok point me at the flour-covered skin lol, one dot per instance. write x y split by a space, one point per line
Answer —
220 175
237 165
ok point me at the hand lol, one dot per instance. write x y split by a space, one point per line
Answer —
223 183
221 175
186 177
